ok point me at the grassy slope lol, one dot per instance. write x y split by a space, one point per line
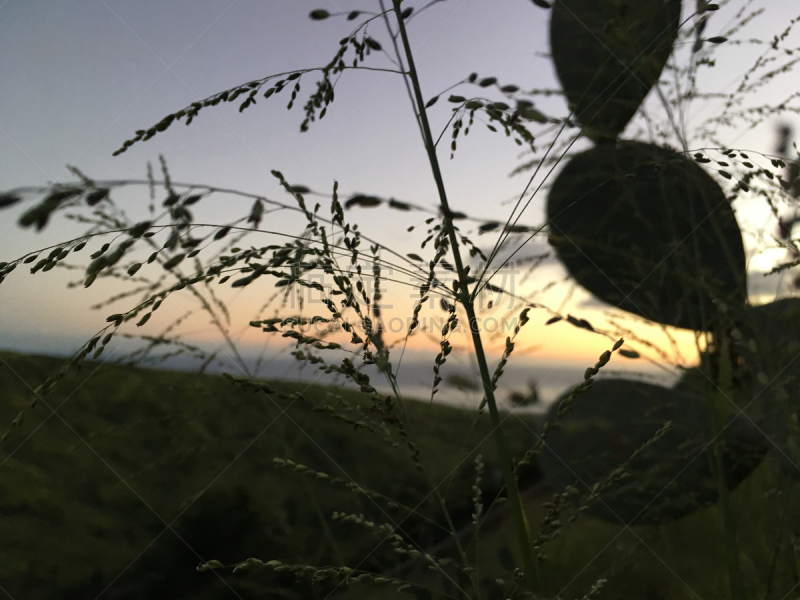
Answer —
84 493
684 559
74 517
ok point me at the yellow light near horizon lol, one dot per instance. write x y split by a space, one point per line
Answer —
559 341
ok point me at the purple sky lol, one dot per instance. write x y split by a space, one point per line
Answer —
80 76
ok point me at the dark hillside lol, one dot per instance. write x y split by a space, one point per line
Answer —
85 494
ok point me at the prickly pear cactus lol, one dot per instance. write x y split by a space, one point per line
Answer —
672 477
647 230
765 358
641 227
608 54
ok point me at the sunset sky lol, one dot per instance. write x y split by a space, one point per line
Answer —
79 78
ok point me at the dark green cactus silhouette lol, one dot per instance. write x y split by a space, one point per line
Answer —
647 230
608 54
672 477
765 353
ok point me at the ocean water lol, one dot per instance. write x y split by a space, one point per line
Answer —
551 381
415 377
415 372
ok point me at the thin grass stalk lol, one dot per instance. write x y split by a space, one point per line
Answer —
779 538
720 410
464 298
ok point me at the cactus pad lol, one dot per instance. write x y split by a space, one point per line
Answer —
608 54
648 231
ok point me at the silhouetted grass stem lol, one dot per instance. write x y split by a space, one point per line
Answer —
463 296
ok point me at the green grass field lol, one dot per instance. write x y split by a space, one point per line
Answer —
86 495
88 490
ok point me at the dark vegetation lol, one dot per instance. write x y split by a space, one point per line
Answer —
655 492
73 518
70 526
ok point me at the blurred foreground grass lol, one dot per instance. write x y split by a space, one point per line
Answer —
86 496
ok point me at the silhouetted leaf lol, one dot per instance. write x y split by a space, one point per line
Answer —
531 114
174 261
256 213
608 55
39 215
580 323
8 199
96 196
363 201
670 478
139 229
397 205
769 341
658 241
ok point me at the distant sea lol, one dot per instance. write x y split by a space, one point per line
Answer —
415 376
415 373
